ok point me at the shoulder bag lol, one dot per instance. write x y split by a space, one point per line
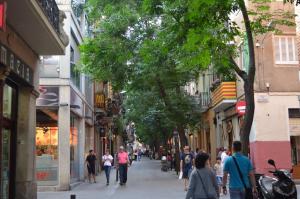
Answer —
249 193
205 191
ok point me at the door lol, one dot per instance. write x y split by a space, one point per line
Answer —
5 163
7 140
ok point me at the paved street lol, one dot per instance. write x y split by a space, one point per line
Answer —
145 180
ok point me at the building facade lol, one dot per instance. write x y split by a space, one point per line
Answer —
275 131
65 110
27 29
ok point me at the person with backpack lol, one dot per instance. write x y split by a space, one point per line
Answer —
186 165
242 180
203 182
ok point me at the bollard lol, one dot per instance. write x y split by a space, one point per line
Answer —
73 196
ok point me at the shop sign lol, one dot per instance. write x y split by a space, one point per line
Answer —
16 65
49 96
100 100
241 108
3 16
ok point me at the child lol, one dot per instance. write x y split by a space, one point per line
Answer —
219 173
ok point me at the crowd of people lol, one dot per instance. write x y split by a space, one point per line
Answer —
123 160
202 180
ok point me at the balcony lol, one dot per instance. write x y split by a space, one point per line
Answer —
224 96
202 101
38 23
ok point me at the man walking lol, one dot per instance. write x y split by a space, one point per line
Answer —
186 164
123 165
90 160
241 174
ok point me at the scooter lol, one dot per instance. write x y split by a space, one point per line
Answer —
281 186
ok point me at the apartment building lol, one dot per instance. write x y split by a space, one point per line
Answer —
275 131
65 110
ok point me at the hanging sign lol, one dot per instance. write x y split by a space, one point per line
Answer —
3 16
241 108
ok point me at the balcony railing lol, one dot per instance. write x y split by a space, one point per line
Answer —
52 12
225 91
202 101
205 99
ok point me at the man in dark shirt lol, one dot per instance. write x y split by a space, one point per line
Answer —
186 164
91 162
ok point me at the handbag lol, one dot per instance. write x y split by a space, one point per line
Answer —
205 191
249 193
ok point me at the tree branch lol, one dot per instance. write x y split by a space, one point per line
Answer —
237 69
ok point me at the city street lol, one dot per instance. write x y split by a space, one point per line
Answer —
145 180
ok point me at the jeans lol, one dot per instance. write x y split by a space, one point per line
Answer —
237 193
123 173
107 172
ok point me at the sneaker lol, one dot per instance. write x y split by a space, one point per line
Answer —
107 184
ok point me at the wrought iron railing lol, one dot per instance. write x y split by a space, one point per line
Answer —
205 99
202 100
52 12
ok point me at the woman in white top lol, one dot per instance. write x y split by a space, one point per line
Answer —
107 162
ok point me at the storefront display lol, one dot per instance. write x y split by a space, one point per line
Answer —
47 147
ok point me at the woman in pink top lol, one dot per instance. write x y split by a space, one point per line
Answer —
123 163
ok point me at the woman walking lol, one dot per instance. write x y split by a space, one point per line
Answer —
203 183
107 163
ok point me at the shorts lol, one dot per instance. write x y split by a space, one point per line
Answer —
91 170
186 173
219 180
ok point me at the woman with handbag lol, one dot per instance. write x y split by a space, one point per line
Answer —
203 183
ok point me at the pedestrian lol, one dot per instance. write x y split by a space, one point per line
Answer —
218 168
107 160
186 165
241 174
123 162
91 160
139 155
197 152
224 156
203 182
220 152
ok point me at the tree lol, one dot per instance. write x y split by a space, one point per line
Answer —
157 46
135 48
212 30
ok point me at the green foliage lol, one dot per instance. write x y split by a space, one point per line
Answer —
152 48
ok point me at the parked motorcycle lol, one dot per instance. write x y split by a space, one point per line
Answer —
281 186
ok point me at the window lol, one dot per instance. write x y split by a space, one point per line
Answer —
75 74
285 50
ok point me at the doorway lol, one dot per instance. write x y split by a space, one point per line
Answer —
8 118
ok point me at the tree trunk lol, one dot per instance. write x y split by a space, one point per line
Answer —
248 82
247 124
182 137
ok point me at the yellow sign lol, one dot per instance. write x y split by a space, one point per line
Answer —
100 100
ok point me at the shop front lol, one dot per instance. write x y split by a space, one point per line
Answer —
16 84
47 132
